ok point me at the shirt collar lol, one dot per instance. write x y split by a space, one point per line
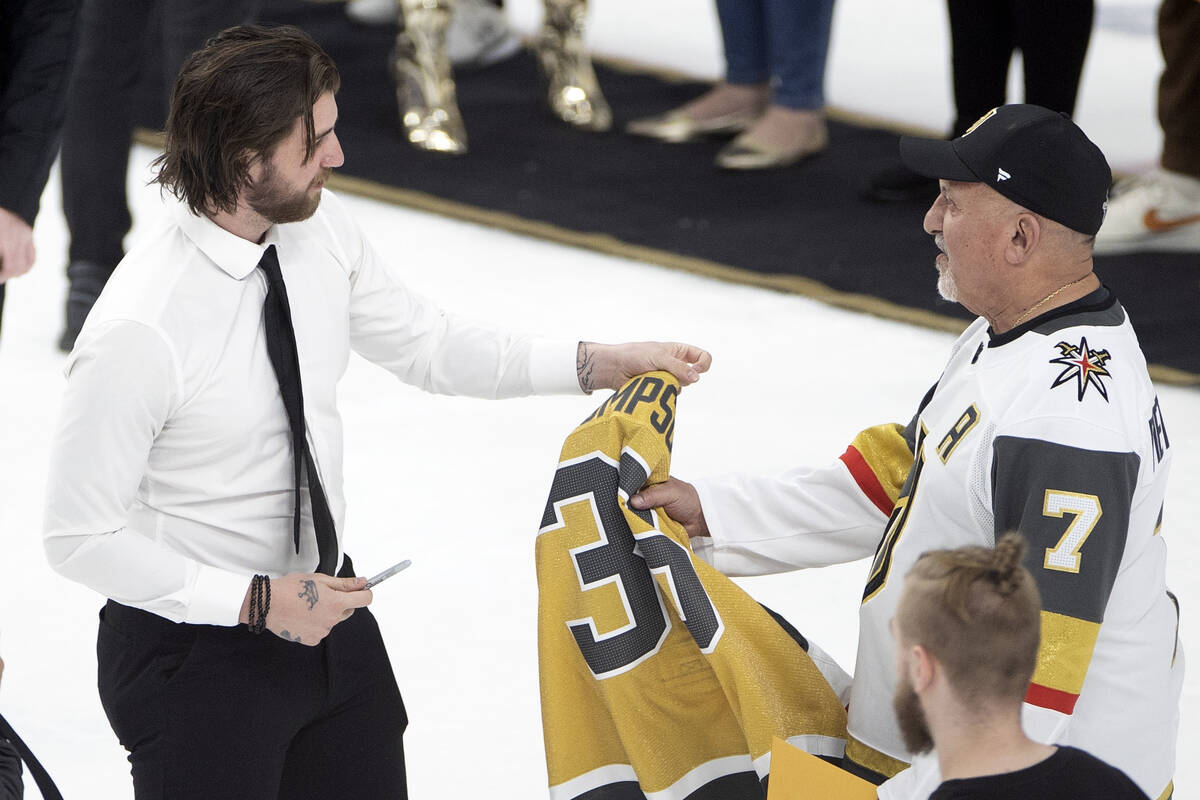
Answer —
234 255
1100 299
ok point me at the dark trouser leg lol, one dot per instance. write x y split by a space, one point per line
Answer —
209 711
365 717
99 122
99 126
1053 38
1179 87
188 24
981 44
744 37
95 149
797 37
203 711
981 47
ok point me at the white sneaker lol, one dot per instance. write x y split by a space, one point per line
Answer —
373 12
479 35
1159 211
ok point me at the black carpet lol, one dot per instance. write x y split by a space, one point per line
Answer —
668 203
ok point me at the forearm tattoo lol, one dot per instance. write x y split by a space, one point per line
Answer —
309 594
585 365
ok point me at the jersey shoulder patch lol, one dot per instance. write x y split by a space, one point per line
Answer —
1084 367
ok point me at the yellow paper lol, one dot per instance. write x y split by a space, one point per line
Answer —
796 774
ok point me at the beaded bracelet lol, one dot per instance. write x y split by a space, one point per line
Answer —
260 603
254 601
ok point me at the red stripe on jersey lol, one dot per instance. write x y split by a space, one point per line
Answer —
864 476
1052 699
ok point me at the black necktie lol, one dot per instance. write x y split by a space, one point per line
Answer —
281 347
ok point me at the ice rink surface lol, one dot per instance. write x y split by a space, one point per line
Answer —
458 485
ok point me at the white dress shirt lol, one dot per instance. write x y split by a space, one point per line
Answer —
171 472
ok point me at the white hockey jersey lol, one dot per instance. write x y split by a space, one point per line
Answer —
1052 429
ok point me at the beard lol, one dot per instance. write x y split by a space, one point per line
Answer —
278 203
946 287
913 727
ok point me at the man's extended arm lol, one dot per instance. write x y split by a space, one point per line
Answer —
439 351
805 517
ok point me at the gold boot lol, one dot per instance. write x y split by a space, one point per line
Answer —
425 89
574 92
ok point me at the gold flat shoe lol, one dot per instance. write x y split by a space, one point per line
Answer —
573 92
425 90
675 126
745 153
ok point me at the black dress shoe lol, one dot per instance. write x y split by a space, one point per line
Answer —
87 279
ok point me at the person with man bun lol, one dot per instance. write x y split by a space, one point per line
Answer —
967 632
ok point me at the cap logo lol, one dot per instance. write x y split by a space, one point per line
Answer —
1002 176
982 120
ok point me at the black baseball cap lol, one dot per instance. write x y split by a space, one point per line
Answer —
1035 157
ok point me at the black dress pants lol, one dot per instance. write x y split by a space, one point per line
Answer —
100 102
217 712
1052 36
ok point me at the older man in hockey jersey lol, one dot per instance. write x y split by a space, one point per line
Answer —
1044 420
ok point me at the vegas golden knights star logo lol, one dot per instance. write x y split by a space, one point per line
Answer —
1084 365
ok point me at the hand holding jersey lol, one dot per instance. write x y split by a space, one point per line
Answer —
610 366
678 500
659 675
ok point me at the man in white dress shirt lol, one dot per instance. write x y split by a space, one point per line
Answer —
176 487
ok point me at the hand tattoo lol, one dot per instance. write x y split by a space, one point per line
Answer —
288 636
309 594
585 365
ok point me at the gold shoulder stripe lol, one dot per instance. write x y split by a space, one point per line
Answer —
1065 652
887 454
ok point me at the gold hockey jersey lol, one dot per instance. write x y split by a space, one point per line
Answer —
660 677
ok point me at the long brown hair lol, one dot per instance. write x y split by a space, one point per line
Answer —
235 99
978 611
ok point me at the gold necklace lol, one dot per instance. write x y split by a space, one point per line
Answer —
1047 299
